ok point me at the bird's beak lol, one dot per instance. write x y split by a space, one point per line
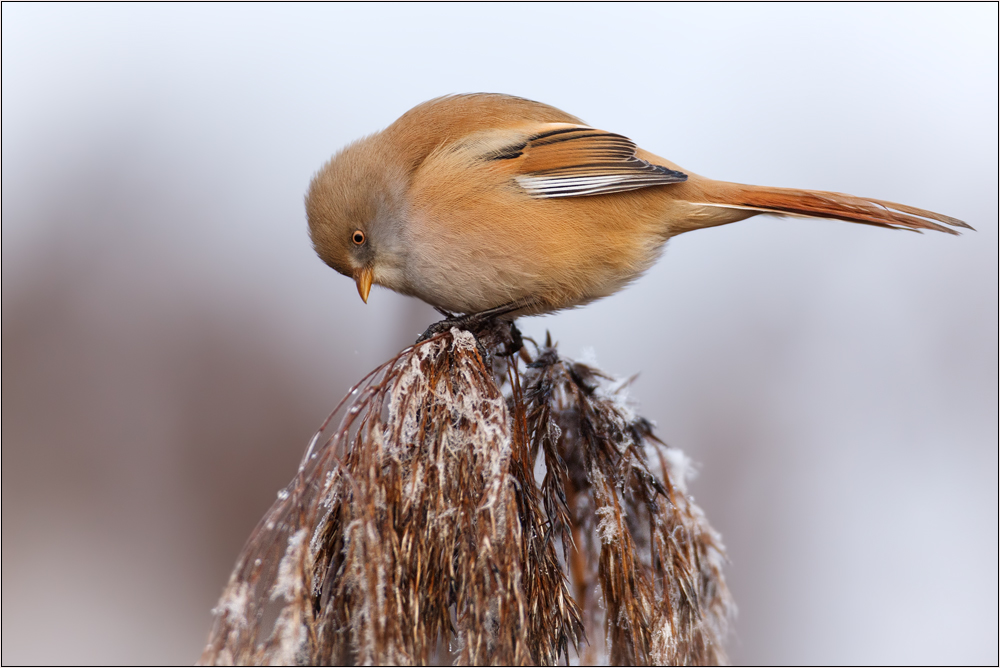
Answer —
363 276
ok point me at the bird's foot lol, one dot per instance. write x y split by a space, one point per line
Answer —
482 325
471 322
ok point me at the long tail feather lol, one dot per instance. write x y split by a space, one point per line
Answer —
818 204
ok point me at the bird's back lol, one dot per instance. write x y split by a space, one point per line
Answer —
446 119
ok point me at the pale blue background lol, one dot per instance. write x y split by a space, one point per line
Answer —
170 340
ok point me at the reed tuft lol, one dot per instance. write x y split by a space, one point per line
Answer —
475 508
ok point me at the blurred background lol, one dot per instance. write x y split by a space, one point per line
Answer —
171 342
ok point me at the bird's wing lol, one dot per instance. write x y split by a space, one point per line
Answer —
562 160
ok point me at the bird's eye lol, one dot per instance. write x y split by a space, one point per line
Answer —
358 237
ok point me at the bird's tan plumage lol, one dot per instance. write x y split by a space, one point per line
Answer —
471 202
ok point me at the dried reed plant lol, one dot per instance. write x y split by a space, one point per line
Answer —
478 504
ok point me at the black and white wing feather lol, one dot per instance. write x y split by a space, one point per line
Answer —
576 160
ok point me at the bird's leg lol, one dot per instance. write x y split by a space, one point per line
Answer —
474 322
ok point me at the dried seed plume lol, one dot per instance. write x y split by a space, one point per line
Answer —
472 502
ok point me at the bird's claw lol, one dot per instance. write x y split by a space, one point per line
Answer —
478 324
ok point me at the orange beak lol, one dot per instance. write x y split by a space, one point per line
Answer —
364 276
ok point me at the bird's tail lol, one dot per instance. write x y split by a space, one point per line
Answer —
818 204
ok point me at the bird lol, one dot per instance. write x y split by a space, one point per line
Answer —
487 205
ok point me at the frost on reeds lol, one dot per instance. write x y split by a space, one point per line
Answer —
467 507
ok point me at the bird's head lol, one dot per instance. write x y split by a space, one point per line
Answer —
356 208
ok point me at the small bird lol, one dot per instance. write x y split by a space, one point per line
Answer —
488 204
